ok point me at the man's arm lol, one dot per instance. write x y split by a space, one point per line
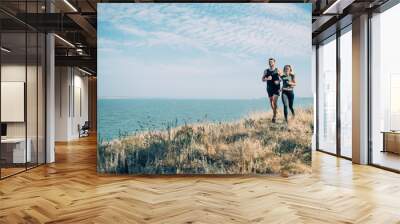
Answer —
269 77
266 77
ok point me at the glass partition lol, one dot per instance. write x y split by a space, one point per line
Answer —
22 101
13 90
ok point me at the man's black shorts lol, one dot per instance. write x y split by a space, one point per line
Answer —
273 91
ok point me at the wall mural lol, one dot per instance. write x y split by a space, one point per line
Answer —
204 88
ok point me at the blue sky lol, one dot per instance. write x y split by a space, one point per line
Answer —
202 51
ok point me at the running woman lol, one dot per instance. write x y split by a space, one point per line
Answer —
288 83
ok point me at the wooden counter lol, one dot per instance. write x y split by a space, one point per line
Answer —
391 141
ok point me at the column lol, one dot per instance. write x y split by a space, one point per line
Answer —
360 90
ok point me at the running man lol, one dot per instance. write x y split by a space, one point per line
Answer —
272 77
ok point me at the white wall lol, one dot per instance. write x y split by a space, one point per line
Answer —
70 83
14 72
62 82
79 115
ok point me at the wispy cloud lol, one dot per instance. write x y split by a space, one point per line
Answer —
260 29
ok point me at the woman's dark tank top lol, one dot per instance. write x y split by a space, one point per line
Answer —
285 81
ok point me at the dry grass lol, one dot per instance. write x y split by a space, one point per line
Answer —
252 145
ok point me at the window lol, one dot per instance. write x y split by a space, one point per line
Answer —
385 89
346 92
327 96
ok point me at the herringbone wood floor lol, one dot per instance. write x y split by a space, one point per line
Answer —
70 191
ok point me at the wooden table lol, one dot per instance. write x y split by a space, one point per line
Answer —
391 141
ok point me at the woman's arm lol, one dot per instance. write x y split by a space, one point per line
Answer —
279 72
293 82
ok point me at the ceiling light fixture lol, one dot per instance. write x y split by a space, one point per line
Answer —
70 5
5 50
337 7
64 40
84 71
327 11
79 51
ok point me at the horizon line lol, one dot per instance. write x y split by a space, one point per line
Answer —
171 98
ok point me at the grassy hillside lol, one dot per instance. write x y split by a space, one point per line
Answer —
252 145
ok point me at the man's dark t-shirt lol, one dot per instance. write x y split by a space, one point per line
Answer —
272 87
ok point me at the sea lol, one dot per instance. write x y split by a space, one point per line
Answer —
121 117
